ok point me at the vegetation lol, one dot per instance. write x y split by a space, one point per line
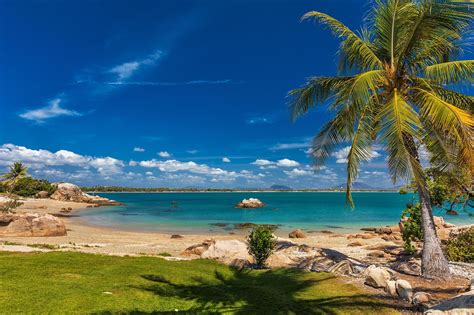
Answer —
461 247
94 284
10 205
29 186
399 85
261 244
412 231
16 172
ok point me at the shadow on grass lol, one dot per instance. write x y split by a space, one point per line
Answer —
271 292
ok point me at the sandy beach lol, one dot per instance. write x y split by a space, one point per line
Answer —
112 241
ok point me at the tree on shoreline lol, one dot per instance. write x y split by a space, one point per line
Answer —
15 173
393 88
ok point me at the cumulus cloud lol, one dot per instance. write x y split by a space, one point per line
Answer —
262 162
51 111
287 163
341 155
38 159
271 164
225 160
138 149
164 154
298 172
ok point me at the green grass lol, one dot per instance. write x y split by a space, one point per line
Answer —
69 282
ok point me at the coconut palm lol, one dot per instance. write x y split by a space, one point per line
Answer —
16 172
400 84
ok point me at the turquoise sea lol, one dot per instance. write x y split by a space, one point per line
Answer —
215 212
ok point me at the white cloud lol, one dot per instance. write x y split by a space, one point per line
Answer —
127 69
262 162
288 146
298 172
149 173
341 155
162 83
192 151
39 159
225 160
138 149
52 110
287 163
164 154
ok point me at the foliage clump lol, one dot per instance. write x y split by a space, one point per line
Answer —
461 247
29 186
10 205
261 244
412 231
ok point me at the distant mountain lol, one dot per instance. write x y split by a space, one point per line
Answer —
355 186
280 187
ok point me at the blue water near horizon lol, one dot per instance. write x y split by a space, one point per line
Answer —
215 212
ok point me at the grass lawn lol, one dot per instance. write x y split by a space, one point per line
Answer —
66 282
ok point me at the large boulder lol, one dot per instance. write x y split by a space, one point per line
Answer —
462 304
31 224
297 234
250 203
71 192
377 277
226 250
42 194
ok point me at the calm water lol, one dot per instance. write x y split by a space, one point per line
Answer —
200 212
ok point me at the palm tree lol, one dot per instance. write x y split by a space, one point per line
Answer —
16 172
399 84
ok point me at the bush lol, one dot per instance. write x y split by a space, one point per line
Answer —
411 227
2 188
261 244
10 205
29 186
461 247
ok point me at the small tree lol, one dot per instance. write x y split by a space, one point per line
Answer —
261 244
16 171
412 231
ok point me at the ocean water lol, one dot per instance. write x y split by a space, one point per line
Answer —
215 212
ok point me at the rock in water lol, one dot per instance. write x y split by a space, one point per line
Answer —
31 224
250 203
377 277
297 234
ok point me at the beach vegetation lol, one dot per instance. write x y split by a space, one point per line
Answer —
400 85
10 205
461 247
412 231
16 172
78 283
261 244
29 186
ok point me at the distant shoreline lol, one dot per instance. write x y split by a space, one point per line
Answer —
235 191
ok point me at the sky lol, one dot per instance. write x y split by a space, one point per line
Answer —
168 93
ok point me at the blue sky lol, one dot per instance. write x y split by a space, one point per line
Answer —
167 93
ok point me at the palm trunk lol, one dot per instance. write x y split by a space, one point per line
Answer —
433 262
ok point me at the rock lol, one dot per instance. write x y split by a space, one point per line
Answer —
327 232
449 225
390 288
71 192
421 298
250 203
462 304
226 249
344 267
297 234
439 222
388 238
197 249
383 230
376 277
404 290
452 212
31 224
412 267
369 229
175 236
376 254
42 195
355 244
240 264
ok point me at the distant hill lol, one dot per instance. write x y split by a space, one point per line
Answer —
280 187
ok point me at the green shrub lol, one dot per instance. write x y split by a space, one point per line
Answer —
411 227
10 205
461 247
2 188
261 244
29 186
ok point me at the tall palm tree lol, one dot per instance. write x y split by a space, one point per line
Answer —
399 84
16 172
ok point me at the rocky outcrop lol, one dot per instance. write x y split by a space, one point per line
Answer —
297 234
459 305
404 290
71 192
42 195
31 224
250 203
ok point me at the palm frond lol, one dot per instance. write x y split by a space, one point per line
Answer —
461 71
355 50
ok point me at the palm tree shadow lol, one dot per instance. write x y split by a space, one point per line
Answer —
247 292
